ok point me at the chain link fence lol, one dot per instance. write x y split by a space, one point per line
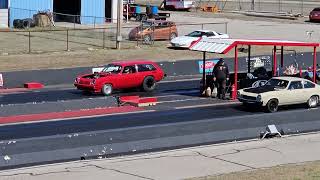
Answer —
55 39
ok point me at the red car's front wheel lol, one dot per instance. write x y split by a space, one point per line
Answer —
107 89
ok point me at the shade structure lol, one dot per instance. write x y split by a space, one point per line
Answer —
223 46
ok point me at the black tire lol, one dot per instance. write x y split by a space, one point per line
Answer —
149 84
172 36
313 101
107 89
27 23
147 39
272 105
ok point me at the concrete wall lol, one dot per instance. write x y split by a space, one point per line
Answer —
21 9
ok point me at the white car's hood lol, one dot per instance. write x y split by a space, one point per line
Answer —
184 40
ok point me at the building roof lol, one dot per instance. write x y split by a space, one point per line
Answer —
223 46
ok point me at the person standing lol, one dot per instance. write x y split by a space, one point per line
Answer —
220 77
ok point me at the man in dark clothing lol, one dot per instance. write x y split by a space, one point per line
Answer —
220 76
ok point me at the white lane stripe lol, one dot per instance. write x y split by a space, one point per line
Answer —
177 93
179 80
207 105
74 118
181 100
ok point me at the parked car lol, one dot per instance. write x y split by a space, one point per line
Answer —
187 40
280 91
314 15
178 5
121 75
154 30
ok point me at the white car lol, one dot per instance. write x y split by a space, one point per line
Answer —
280 91
187 40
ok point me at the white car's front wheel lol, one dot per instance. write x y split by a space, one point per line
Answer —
272 105
313 101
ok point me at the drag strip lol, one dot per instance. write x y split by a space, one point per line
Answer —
115 122
52 95
112 135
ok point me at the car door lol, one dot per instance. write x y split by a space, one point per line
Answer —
129 77
309 89
296 92
157 31
165 30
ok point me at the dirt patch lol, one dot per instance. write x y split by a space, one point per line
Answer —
94 57
305 171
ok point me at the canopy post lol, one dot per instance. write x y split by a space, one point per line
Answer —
274 61
204 71
281 57
314 63
234 93
249 58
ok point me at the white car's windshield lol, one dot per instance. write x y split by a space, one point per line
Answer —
277 83
196 34
111 68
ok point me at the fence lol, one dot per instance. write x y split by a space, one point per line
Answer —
63 39
293 6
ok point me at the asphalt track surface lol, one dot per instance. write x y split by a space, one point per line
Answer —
180 120
55 94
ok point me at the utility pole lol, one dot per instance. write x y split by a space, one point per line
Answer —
119 16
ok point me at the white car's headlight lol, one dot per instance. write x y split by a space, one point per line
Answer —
259 98
238 94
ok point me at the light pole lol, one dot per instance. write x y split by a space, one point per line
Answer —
119 16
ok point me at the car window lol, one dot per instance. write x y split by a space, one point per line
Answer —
129 70
277 83
195 34
210 34
316 9
111 68
295 85
146 67
164 24
308 84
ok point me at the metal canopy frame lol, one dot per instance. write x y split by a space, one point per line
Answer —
223 46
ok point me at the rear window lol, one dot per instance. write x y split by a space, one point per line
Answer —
146 67
308 84
316 9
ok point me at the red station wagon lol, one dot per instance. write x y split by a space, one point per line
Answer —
121 75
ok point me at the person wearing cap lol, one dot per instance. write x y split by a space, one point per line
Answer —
220 76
